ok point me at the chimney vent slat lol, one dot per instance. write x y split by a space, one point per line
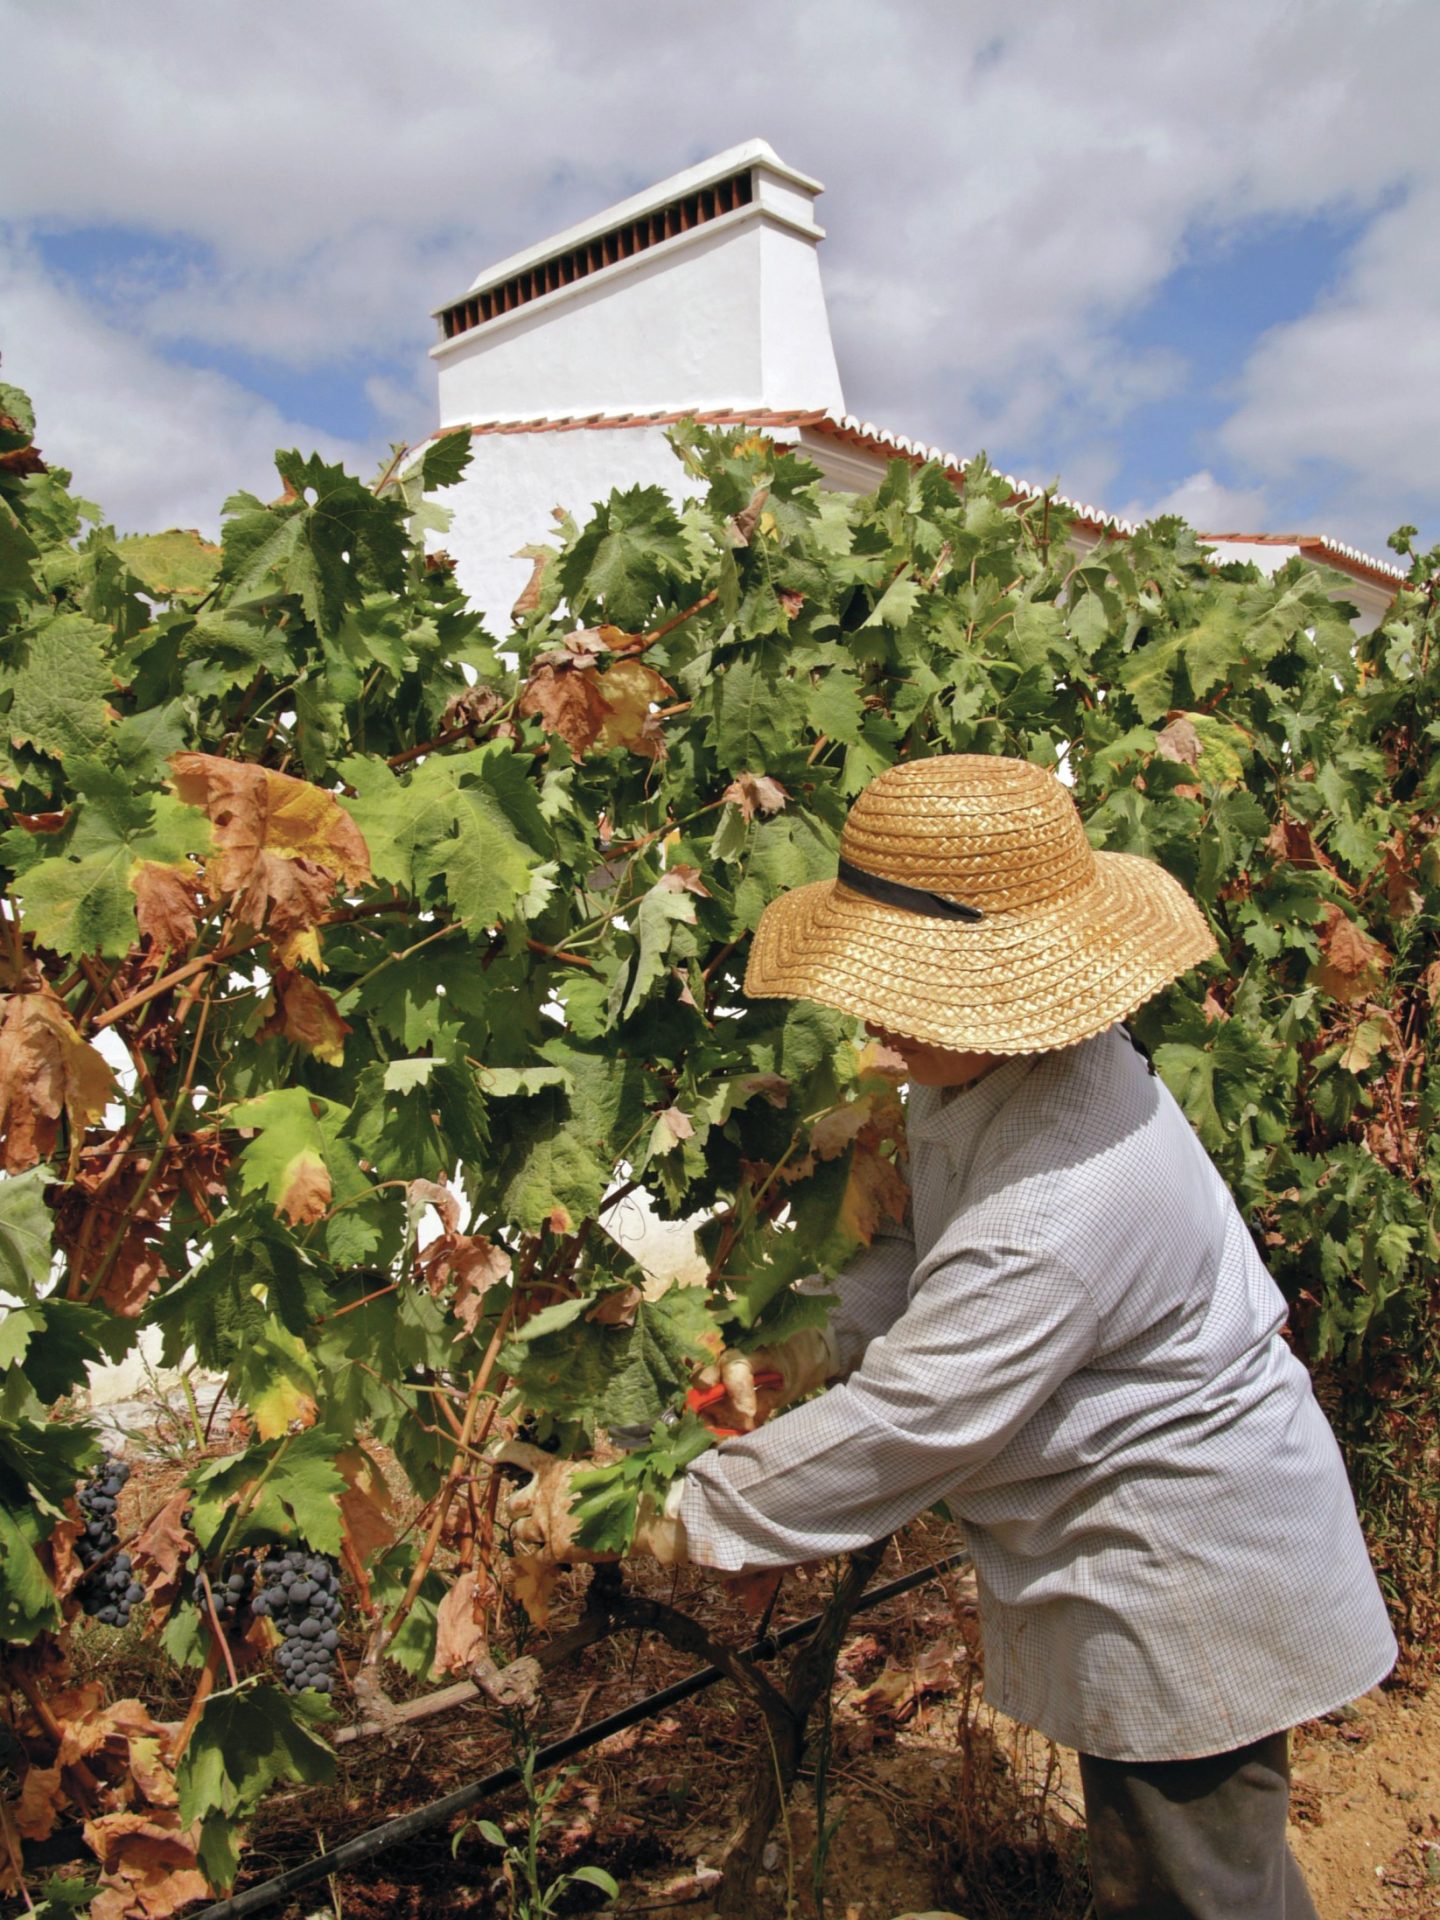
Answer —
605 250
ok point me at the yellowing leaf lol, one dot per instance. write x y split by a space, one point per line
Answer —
281 845
876 1188
305 1189
1366 1044
629 689
309 1016
277 1380
179 563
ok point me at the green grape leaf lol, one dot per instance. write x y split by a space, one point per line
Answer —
26 1227
247 1740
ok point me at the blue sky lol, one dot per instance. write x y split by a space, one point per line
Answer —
1181 260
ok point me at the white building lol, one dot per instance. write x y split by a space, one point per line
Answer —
699 297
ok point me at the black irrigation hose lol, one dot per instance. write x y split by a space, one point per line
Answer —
365 1845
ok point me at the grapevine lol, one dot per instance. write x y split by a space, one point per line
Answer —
360 968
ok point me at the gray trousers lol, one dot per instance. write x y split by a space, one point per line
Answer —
1194 1839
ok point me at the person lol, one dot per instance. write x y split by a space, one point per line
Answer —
1072 1341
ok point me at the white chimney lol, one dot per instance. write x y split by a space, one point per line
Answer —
703 292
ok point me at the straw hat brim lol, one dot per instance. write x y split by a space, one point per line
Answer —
1016 982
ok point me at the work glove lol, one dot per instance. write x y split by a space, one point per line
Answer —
542 1526
766 1379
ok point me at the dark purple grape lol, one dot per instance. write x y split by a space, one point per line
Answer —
107 1591
299 1591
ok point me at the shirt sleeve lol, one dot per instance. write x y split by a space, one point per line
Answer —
870 1292
988 1335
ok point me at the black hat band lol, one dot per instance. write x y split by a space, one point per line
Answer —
894 893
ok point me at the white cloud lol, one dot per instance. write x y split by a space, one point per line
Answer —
154 444
1208 504
1352 386
1005 185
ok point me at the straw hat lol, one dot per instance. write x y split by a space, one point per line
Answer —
970 912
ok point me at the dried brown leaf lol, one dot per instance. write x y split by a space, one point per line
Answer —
42 1800
616 1308
473 1263
66 1571
471 708
150 1766
288 897
567 700
167 904
136 1271
533 1580
46 1070
1402 896
528 598
460 1629
1179 742
755 793
435 1194
744 523
1352 964
84 1734
308 1015
365 1504
479 1265
148 1866
159 1553
1292 840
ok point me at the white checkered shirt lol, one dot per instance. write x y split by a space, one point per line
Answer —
1080 1351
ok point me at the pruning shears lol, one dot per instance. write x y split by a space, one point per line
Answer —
629 1439
699 1398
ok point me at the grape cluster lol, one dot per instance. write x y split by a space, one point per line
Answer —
108 1591
234 1587
300 1592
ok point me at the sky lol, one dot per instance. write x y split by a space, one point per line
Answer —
1180 258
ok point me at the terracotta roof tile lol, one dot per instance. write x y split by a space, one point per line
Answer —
868 438
1320 548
